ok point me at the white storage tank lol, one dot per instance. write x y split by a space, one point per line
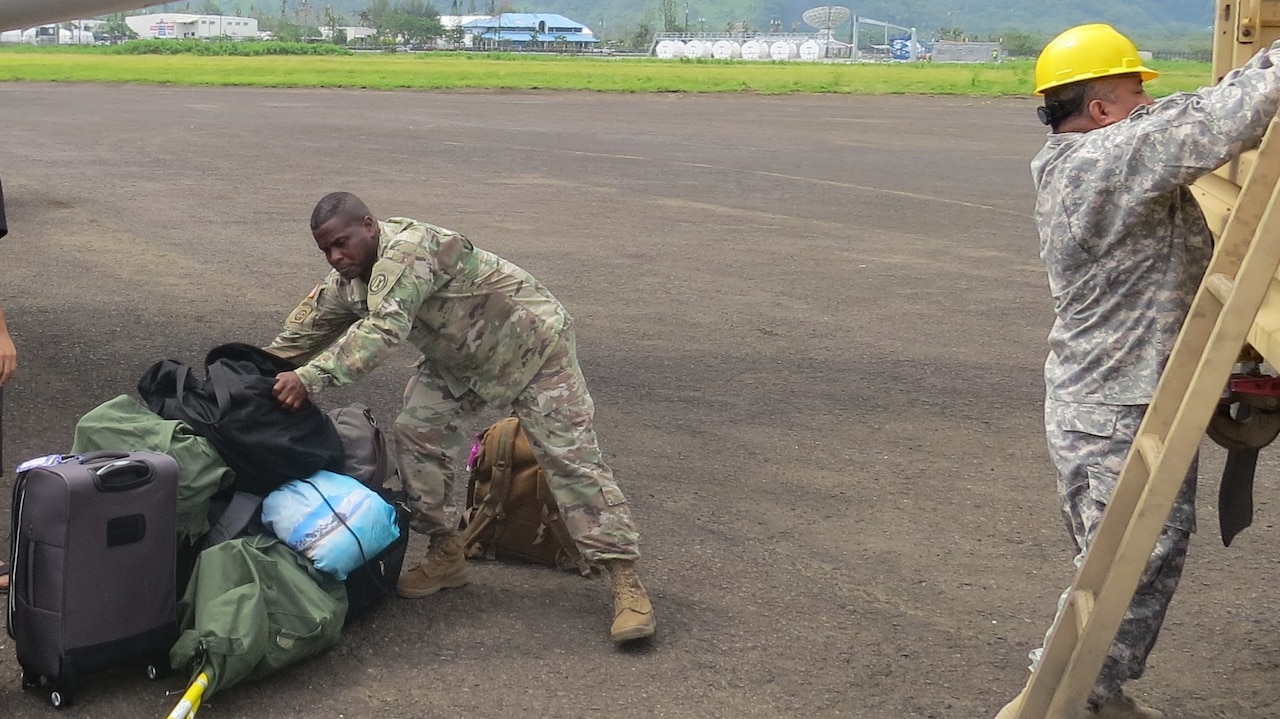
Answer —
697 49
783 50
669 49
726 50
810 50
754 50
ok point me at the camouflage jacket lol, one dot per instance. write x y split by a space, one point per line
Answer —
1124 241
481 322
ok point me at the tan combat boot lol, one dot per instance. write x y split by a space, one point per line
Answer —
632 613
444 567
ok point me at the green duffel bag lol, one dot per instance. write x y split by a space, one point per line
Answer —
125 424
254 606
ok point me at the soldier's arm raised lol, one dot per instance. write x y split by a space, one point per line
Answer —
395 294
1184 136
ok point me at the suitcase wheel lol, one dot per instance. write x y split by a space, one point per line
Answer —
29 680
59 698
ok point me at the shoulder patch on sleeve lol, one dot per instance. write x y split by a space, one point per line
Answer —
303 314
385 273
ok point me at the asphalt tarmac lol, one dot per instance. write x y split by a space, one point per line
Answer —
813 327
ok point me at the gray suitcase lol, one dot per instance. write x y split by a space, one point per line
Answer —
93 565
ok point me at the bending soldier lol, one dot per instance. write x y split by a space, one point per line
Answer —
490 334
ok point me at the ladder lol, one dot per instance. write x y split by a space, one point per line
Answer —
1217 326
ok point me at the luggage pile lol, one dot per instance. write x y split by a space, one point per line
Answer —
145 544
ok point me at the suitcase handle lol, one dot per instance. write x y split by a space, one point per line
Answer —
122 475
88 457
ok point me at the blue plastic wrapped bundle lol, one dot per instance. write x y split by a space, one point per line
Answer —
331 519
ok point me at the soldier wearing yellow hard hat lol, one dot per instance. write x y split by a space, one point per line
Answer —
1125 246
1082 54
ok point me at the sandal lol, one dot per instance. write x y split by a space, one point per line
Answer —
4 576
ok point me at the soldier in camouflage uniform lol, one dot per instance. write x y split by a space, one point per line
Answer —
490 335
1126 247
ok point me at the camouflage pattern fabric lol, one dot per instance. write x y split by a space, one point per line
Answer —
490 335
556 412
486 324
1088 444
1124 242
430 436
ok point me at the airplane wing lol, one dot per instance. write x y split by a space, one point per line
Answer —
22 14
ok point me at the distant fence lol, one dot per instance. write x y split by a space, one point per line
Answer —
944 51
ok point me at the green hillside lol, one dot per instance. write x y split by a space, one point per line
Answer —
615 18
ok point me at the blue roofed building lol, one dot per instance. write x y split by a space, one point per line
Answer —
529 31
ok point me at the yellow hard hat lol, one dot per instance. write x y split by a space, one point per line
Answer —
1087 52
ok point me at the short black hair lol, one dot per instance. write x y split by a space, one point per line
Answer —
337 204
1068 101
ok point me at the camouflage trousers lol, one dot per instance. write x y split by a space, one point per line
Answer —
1088 444
556 412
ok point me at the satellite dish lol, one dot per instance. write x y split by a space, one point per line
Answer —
826 17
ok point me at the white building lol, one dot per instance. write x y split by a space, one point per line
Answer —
187 27
354 33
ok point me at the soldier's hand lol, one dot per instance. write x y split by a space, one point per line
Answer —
8 358
289 390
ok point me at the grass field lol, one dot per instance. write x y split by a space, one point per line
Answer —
430 71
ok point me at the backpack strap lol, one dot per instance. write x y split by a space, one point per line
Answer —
499 484
500 479
382 463
233 520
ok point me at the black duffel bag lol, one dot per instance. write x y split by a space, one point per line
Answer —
375 580
233 407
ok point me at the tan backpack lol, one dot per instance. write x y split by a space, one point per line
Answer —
510 511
